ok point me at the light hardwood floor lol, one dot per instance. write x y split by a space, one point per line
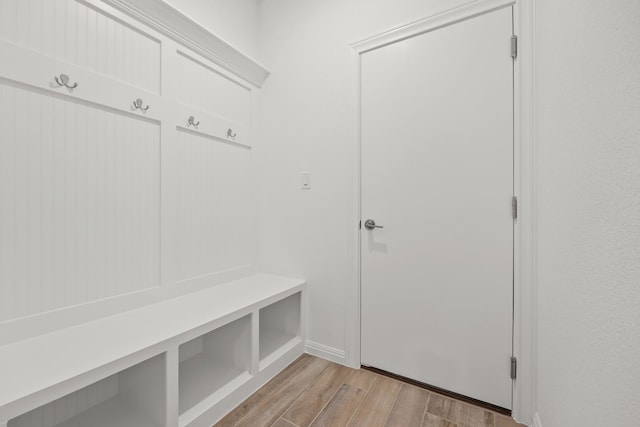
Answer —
314 392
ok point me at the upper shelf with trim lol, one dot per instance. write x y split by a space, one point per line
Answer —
169 21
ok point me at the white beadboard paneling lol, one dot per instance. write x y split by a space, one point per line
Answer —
78 33
31 68
79 211
215 195
69 406
213 91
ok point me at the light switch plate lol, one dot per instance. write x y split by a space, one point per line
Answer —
306 183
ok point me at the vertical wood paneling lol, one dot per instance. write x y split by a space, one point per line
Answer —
211 91
80 211
215 196
75 32
69 406
7 214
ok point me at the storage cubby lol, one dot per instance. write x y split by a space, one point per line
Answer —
133 397
233 341
215 363
279 328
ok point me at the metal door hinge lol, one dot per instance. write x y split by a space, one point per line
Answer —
514 367
514 207
514 46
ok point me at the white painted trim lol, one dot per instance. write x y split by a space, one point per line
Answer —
324 352
425 25
524 339
536 420
352 292
524 187
172 395
172 23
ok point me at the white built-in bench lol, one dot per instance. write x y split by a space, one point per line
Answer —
180 362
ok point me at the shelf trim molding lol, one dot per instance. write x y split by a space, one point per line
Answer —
174 24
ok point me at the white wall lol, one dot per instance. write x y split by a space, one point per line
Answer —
304 124
234 21
589 212
588 157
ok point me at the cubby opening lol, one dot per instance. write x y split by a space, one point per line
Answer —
279 328
133 397
214 364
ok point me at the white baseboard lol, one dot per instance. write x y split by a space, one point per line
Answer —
325 352
536 420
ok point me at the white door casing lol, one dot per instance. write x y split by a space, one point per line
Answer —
437 173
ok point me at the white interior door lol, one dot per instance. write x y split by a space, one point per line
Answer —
437 174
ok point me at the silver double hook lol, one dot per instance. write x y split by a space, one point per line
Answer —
191 121
137 105
63 80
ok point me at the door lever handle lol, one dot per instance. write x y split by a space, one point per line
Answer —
371 224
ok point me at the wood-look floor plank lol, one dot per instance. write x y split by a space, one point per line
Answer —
342 395
460 413
377 405
431 420
311 402
283 423
341 407
504 421
290 371
362 379
409 408
271 407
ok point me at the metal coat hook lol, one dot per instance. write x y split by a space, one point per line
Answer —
230 134
63 80
191 121
137 104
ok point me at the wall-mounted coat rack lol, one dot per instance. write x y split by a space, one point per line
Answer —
191 121
63 80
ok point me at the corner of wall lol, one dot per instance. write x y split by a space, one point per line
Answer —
536 420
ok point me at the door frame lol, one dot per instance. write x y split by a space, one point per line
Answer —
524 287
